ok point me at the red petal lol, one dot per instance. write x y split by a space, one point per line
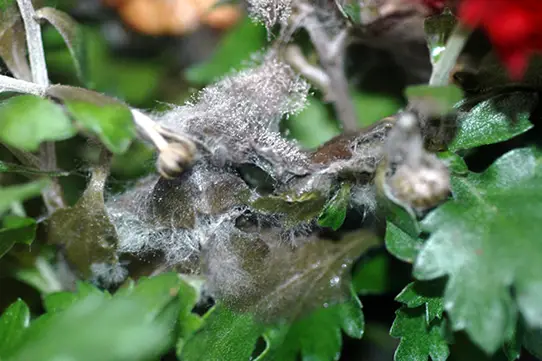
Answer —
471 12
516 61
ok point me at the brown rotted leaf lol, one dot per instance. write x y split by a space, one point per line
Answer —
13 43
253 272
85 230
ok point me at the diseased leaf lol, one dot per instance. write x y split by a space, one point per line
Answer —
441 98
13 322
13 41
96 328
236 46
225 335
495 120
275 282
70 32
334 212
85 229
20 193
16 230
108 118
47 122
316 336
487 241
418 339
427 294
21 169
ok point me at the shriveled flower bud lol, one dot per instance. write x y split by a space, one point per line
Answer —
175 158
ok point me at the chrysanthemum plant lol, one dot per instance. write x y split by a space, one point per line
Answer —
246 245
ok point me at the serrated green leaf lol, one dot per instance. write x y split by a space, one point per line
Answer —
70 32
112 123
317 336
46 120
21 169
418 340
495 120
442 98
16 230
20 193
427 294
454 162
13 322
486 241
334 212
402 244
189 322
243 40
225 335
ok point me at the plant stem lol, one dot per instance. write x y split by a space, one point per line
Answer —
35 43
8 84
442 69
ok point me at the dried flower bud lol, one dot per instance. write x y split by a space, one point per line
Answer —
175 158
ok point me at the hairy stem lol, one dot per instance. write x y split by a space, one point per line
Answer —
442 69
8 84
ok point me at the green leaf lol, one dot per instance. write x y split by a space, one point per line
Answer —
112 123
495 120
418 340
334 212
427 294
487 241
441 98
512 347
317 336
20 193
28 120
108 118
372 106
236 46
189 322
372 277
85 230
21 169
16 230
13 322
70 32
60 301
454 162
225 335
401 244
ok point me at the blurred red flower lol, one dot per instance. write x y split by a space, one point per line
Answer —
513 26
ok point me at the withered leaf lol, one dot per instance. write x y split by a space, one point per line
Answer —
256 273
13 43
85 230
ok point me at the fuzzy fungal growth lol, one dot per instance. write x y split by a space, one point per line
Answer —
270 12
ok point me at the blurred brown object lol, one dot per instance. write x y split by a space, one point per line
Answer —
174 17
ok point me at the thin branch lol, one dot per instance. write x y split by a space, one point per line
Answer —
331 51
314 74
8 84
442 69
35 43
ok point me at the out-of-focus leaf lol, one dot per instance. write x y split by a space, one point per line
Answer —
60 301
126 327
316 336
21 169
441 99
437 30
225 335
418 339
236 46
19 193
13 41
371 106
487 241
427 294
512 347
71 33
372 277
532 341
13 322
108 118
16 230
85 229
334 212
28 120
495 120
189 322
402 236
316 118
